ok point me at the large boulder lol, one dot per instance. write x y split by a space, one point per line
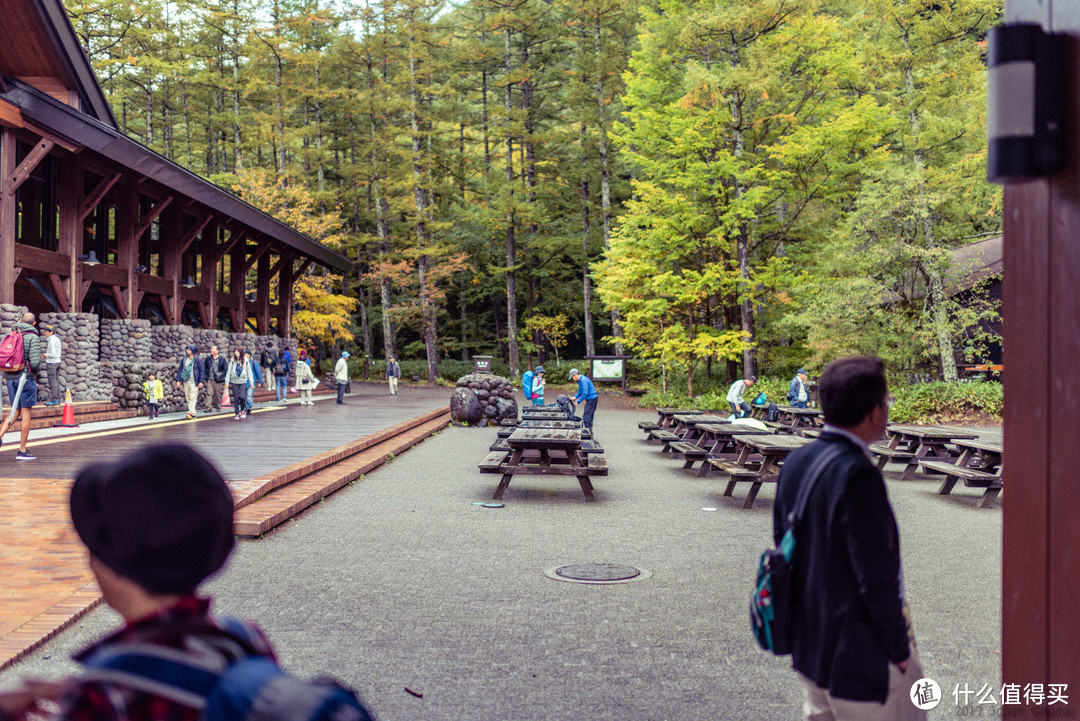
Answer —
483 399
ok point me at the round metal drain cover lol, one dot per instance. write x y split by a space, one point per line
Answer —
597 573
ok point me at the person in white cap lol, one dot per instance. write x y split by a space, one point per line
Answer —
341 375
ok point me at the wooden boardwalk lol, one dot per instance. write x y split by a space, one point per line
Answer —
46 583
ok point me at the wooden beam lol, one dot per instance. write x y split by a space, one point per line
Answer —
191 235
81 291
262 296
127 247
69 244
254 257
10 115
301 269
234 238
60 290
276 267
152 215
204 315
31 161
92 200
8 272
121 297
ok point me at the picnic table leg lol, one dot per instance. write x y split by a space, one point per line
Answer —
987 499
947 486
754 488
503 485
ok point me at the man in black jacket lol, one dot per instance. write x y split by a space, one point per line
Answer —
216 370
850 639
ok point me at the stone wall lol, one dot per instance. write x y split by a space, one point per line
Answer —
108 359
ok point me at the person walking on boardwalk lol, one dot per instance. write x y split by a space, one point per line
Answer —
266 360
850 640
191 377
305 380
739 407
22 384
281 376
341 375
797 393
52 365
155 393
239 375
157 523
254 382
393 372
586 393
216 371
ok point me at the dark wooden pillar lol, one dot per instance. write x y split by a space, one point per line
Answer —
69 182
1041 535
238 284
208 254
7 216
127 250
262 294
171 236
285 290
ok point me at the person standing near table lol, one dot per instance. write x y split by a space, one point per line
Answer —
739 407
190 377
341 375
393 372
586 393
217 370
798 394
52 365
850 638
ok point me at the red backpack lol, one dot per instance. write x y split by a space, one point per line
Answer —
12 353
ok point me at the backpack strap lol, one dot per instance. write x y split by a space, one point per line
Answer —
817 469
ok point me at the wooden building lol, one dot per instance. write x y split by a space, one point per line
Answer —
92 221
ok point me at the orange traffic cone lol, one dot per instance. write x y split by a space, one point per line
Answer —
225 398
68 421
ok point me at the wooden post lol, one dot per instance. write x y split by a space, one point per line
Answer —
127 250
208 278
285 286
262 292
1040 536
238 284
70 241
171 233
7 216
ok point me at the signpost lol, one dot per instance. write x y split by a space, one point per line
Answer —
481 363
609 368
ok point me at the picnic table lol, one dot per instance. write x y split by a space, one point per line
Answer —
507 431
758 461
686 423
909 444
979 465
667 415
545 452
553 414
795 420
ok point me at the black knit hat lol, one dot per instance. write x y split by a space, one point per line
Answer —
161 516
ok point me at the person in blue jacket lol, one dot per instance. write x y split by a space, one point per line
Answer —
798 394
586 393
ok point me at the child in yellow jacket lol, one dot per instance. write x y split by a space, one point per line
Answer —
155 393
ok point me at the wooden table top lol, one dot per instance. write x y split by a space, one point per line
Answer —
678 412
930 432
696 418
732 429
772 443
548 423
981 445
545 438
811 412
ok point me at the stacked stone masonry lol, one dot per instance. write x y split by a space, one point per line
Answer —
108 359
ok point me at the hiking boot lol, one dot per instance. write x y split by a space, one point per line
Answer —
25 456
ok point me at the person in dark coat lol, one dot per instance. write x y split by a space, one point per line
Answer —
216 370
190 377
850 638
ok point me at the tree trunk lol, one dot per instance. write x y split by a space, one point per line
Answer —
511 251
605 166
586 281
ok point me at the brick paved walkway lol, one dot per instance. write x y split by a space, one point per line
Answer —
46 583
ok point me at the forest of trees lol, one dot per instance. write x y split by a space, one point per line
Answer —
748 186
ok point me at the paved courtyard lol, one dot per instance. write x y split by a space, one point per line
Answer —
400 581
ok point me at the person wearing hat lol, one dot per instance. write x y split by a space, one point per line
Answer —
157 523
341 375
797 393
538 386
586 393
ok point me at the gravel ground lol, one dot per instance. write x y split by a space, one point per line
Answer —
401 581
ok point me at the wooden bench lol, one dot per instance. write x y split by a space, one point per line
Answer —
777 426
493 461
810 433
973 477
886 454
648 426
738 473
691 452
597 464
663 436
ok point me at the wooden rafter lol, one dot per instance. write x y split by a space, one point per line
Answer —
300 271
191 235
254 258
276 267
234 238
120 296
31 161
152 215
60 292
97 194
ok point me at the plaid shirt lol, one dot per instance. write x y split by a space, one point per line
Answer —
90 700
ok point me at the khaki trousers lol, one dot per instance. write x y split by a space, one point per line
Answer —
191 395
820 705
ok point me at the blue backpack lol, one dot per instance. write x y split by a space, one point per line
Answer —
250 688
527 385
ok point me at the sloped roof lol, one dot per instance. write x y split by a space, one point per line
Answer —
974 263
39 46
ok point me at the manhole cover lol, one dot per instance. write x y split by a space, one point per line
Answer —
596 573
